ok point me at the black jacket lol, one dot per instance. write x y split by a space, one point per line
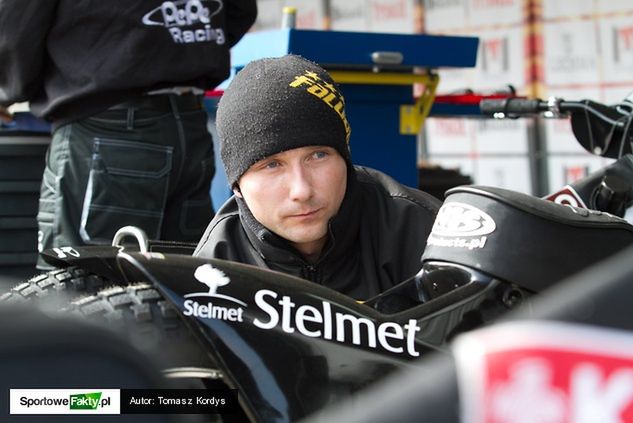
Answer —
72 58
376 240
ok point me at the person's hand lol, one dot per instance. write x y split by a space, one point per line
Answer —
5 115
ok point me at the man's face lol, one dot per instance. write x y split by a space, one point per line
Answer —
295 193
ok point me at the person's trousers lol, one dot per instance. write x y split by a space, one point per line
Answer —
147 163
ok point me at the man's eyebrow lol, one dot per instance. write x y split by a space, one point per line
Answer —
266 159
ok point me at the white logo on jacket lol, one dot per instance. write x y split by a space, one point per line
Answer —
188 21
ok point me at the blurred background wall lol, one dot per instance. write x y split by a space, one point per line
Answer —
572 49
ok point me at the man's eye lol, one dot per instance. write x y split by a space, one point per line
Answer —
319 154
272 164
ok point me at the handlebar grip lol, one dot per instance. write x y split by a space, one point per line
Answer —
513 106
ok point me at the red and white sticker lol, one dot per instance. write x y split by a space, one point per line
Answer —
567 196
545 372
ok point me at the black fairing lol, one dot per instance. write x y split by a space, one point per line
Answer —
100 260
283 372
522 239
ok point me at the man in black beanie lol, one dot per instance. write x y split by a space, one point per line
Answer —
300 206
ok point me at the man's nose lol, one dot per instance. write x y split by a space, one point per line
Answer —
300 184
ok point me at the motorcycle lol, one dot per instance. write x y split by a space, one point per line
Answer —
293 348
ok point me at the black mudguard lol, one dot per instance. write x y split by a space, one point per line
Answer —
290 346
102 259
99 260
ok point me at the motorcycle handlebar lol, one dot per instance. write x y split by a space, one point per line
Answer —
556 107
513 106
603 130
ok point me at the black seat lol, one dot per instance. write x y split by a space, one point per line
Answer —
522 239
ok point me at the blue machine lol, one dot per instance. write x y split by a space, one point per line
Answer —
375 73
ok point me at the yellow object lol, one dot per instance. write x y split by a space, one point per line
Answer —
289 17
412 116
377 78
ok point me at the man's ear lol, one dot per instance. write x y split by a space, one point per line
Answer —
236 191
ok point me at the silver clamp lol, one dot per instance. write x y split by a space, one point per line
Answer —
553 108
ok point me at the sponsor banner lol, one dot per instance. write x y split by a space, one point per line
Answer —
64 401
564 170
456 79
449 136
545 372
566 9
495 12
616 39
500 59
505 172
349 15
502 136
464 165
309 13
611 6
617 94
393 16
268 15
571 53
444 15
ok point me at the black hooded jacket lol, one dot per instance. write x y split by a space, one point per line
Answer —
72 59
376 239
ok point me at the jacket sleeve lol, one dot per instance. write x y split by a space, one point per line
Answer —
24 26
240 16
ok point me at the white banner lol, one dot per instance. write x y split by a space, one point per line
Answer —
64 401
571 53
392 16
445 15
495 12
349 15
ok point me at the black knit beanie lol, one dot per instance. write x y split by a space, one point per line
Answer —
277 104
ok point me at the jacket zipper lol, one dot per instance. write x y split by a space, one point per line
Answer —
310 272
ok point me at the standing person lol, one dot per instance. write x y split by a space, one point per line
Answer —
122 84
299 205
